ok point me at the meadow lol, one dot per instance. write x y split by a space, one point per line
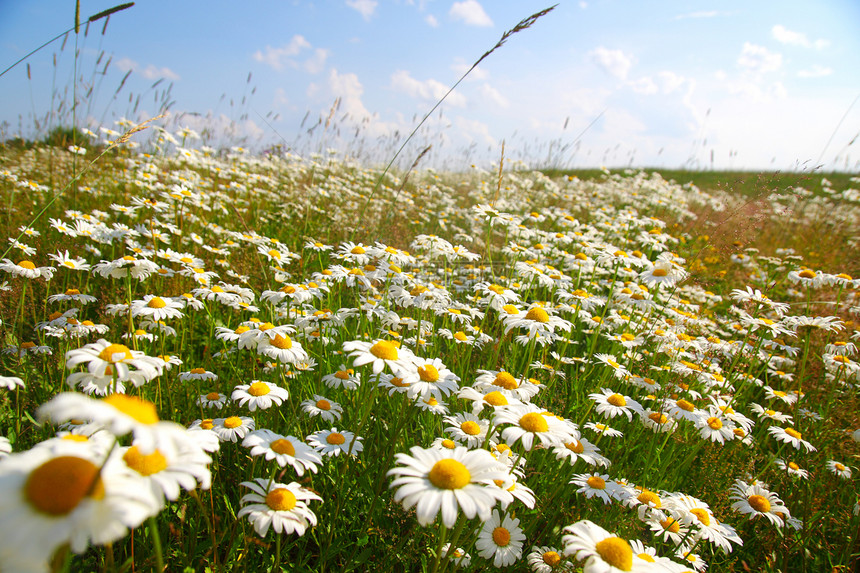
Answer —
225 361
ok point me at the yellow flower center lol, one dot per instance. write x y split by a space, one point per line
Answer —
335 439
551 558
684 405
496 398
537 314
759 503
501 536
793 433
259 389
575 447
510 309
324 405
659 272
357 250
57 486
384 349
617 400
596 482
156 302
534 422
793 466
461 336
616 552
658 417
807 274
282 446
281 499
646 557
839 467
114 353
27 265
206 424
198 371
141 410
506 381
449 444
341 375
428 373
647 497
144 465
671 525
213 396
233 422
471 428
715 423
282 342
449 474
701 515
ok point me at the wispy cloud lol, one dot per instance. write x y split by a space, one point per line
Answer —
150 72
699 14
363 7
471 13
428 90
759 59
614 62
279 58
785 36
431 20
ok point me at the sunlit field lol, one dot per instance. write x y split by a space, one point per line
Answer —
226 361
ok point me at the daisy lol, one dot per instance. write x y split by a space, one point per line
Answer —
156 308
325 409
467 429
619 371
603 429
489 380
502 539
838 469
694 512
429 378
601 551
580 448
169 470
66 261
68 494
232 428
658 422
528 422
611 404
379 354
282 348
212 400
791 468
344 378
538 322
11 382
547 559
433 405
790 436
27 269
74 295
434 480
756 501
104 358
333 443
456 555
284 507
716 428
285 450
259 394
197 374
595 485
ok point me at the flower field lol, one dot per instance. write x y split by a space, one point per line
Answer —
228 361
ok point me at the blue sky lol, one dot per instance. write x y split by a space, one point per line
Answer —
730 84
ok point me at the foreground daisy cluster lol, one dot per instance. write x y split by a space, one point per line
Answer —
227 360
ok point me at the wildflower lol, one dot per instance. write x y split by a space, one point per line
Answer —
428 378
619 371
344 378
156 308
232 428
755 500
11 382
467 429
546 559
791 469
838 469
66 261
595 485
502 539
601 551
457 555
716 428
529 422
284 507
197 374
790 436
285 450
610 404
259 394
434 480
104 358
166 471
212 400
333 442
72 295
580 448
325 409
27 269
379 354
603 429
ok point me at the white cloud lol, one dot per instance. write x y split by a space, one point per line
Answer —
759 59
785 36
431 20
279 58
364 7
490 93
474 131
428 90
613 62
460 67
644 85
815 72
150 72
583 5
470 12
670 81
